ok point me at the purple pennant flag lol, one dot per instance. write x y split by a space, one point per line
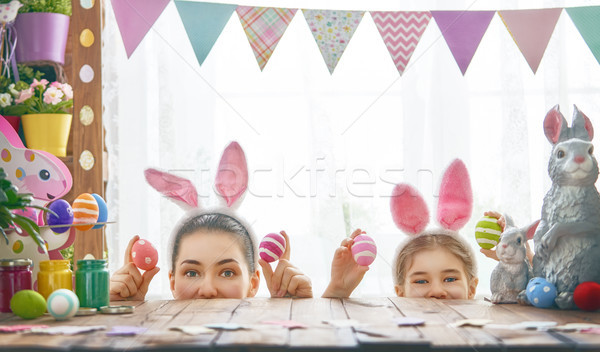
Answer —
463 31
135 18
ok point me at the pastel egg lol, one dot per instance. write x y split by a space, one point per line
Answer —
271 247
85 211
28 304
487 232
63 304
144 255
102 211
364 250
587 296
64 215
28 213
540 292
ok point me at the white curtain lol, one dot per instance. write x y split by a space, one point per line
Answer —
324 151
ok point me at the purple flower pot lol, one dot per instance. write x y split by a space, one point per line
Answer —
41 36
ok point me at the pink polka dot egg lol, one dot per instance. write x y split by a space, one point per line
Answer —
364 250
271 247
144 255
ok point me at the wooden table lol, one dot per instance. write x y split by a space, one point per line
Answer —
379 332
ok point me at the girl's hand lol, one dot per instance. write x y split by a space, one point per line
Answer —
345 273
491 253
286 279
128 283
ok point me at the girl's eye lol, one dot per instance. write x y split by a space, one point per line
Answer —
227 274
191 273
450 279
421 282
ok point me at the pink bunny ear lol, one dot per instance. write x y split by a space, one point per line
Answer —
456 197
232 176
178 189
409 210
531 229
582 125
554 125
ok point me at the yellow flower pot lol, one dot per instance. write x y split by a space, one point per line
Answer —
47 132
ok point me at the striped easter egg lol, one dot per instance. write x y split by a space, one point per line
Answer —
85 211
487 232
364 250
271 247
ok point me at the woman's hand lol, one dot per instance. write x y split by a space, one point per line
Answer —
345 273
286 279
128 283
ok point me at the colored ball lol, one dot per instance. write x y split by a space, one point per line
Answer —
487 232
102 211
541 293
85 211
28 304
271 247
587 296
63 304
144 255
364 250
64 215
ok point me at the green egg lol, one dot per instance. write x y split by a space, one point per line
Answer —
28 304
487 232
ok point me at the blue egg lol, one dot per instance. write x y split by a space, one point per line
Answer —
541 293
102 211
63 209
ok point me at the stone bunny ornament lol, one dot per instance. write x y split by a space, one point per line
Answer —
567 240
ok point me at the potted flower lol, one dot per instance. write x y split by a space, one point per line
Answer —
10 91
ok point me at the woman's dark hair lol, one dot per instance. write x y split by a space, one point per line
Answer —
216 222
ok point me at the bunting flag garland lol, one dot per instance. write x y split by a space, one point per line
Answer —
587 20
332 30
401 32
203 22
531 31
463 31
135 18
264 26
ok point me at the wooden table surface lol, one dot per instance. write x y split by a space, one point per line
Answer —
376 332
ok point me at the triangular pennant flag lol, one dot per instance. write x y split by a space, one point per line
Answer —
203 22
401 32
332 30
587 21
135 18
531 31
264 26
463 31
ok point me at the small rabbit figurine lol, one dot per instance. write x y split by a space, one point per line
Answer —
567 240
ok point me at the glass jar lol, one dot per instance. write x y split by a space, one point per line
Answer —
92 281
54 274
15 275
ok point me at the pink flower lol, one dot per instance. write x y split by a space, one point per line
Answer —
53 96
24 95
56 84
42 82
68 90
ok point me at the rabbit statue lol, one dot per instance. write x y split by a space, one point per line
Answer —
567 240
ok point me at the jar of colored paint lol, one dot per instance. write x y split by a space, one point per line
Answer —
54 274
92 283
15 275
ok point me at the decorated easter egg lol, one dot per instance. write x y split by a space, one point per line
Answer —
587 296
271 247
28 213
487 232
144 255
85 211
541 293
64 215
28 304
364 250
102 211
63 304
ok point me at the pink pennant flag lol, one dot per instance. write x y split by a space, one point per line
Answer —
463 31
531 30
401 32
264 26
135 18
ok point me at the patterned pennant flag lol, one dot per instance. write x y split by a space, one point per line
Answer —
264 26
401 32
332 30
463 31
135 18
587 21
203 22
531 30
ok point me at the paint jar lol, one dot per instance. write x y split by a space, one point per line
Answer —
92 281
15 275
54 274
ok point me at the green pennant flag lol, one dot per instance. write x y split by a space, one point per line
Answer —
587 21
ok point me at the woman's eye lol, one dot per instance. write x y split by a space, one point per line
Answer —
191 273
227 274
421 282
450 279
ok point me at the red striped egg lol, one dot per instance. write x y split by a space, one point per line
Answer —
271 247
85 211
364 250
